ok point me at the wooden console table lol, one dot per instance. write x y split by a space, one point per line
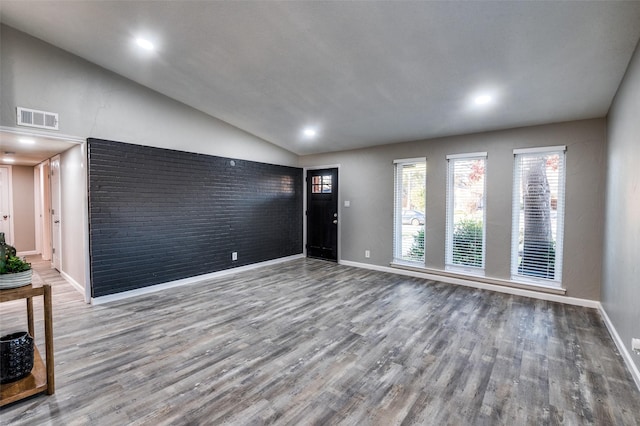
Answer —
41 378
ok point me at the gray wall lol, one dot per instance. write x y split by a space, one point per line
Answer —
621 270
24 220
366 180
94 102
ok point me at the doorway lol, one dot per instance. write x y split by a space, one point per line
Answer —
322 214
56 236
43 210
59 218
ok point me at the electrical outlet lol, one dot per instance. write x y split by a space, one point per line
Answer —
635 345
367 254
234 255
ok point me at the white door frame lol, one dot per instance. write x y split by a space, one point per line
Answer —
56 214
45 205
87 266
37 207
9 238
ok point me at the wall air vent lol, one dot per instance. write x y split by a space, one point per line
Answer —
34 118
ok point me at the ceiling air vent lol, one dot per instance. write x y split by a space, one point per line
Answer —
35 118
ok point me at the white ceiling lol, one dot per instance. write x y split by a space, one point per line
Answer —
365 73
30 150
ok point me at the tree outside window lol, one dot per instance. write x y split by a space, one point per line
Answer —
538 215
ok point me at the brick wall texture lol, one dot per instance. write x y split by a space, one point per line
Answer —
158 215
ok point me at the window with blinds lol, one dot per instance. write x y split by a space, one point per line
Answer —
538 215
409 211
465 219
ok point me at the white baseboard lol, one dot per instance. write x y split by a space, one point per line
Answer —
27 253
73 282
186 281
476 284
635 373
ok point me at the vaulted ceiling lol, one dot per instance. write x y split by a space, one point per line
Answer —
360 73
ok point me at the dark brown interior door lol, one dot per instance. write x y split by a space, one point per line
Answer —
322 214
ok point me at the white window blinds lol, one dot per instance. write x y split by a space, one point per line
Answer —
538 215
465 216
409 210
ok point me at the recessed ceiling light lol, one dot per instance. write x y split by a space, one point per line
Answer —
144 43
27 141
482 100
310 132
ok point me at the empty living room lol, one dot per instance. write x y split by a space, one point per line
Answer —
319 212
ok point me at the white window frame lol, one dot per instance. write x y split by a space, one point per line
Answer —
397 211
449 261
560 209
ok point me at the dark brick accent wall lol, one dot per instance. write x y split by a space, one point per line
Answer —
158 215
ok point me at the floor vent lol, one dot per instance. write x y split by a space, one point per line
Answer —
34 118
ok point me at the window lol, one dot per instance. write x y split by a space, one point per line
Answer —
464 249
321 184
538 215
409 210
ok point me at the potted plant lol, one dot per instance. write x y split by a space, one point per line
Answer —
14 272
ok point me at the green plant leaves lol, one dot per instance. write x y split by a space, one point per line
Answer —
14 264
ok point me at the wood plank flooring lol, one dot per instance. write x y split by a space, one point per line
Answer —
311 342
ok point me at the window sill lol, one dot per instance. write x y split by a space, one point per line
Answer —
480 279
534 282
464 270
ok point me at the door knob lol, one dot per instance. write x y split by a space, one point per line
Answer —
56 221
335 222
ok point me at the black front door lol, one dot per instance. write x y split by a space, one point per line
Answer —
322 214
